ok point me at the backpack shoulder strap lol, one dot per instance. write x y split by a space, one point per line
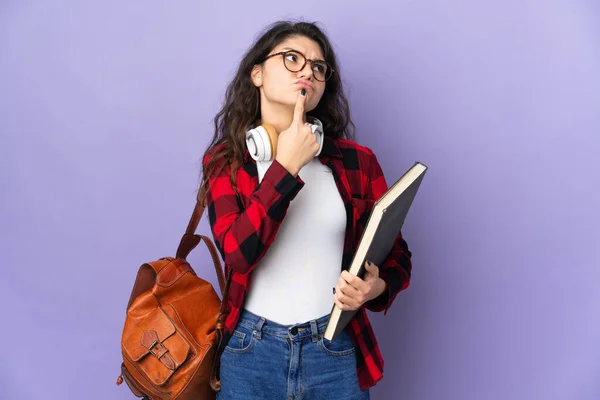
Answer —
190 240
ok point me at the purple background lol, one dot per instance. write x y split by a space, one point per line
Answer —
105 110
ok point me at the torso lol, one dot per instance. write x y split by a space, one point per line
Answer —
293 282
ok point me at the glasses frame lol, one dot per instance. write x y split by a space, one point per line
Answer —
306 60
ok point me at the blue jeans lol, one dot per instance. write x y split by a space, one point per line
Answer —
266 360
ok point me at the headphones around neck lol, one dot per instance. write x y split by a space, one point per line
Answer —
261 140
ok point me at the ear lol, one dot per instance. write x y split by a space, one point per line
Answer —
256 75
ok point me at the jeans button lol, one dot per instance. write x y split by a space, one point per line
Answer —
294 330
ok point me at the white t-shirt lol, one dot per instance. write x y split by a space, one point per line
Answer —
294 281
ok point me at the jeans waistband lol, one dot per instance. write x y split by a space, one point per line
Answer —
314 327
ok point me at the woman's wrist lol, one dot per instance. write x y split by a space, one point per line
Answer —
285 164
383 286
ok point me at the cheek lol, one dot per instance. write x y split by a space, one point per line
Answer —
276 84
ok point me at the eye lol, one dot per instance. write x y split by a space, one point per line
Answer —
291 57
318 67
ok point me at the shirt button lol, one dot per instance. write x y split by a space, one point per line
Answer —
294 330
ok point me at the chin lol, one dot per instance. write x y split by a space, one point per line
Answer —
309 107
309 103
290 101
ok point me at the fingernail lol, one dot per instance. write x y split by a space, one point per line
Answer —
369 262
334 290
303 92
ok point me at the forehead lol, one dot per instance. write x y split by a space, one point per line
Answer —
306 46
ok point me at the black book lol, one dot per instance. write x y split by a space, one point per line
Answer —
382 229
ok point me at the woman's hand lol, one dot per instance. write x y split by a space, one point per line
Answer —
351 292
297 145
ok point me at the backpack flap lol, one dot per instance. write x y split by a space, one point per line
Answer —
155 346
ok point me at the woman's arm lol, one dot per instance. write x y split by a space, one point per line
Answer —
396 269
244 235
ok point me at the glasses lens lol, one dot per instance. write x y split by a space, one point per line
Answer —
293 61
321 71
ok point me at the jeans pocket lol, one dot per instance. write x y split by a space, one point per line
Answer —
340 346
241 341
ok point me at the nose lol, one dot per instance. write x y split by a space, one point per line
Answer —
306 72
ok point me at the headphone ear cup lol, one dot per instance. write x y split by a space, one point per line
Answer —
262 142
258 144
273 136
317 129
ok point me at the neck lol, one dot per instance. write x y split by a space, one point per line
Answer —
276 114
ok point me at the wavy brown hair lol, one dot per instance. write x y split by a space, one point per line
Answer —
242 102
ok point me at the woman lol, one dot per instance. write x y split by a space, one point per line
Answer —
287 226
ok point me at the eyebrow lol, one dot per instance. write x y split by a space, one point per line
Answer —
289 48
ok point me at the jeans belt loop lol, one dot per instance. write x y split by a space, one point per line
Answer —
314 331
258 328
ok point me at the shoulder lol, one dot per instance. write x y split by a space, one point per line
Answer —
350 145
217 161
354 152
213 152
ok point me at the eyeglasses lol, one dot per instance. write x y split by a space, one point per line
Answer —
295 61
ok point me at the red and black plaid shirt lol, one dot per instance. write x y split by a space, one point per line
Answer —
244 225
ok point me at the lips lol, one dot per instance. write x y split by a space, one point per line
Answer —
306 84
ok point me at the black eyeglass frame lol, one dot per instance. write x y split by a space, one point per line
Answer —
306 60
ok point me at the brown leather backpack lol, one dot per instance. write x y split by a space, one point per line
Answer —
173 326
